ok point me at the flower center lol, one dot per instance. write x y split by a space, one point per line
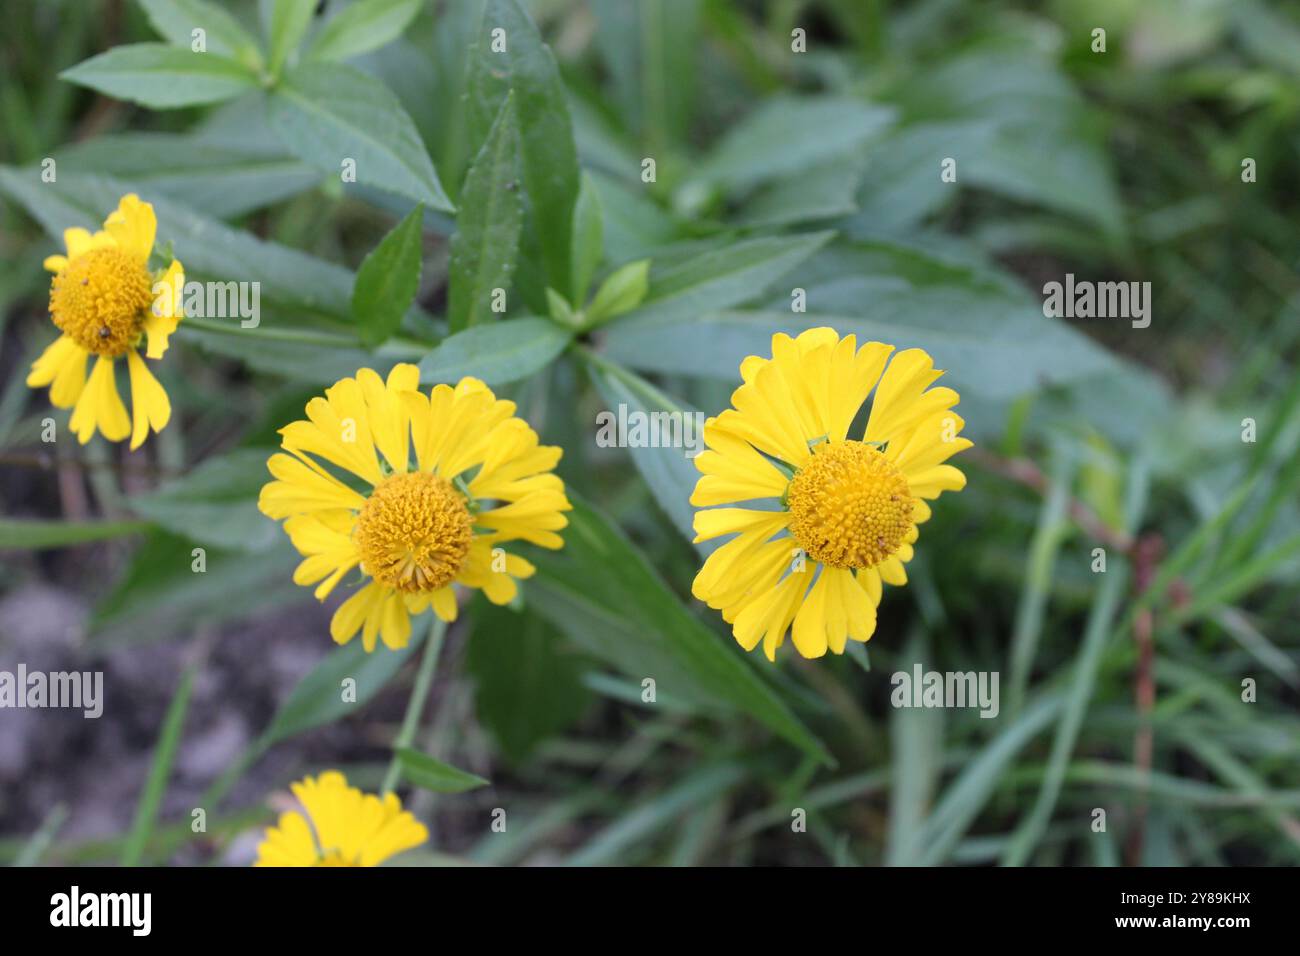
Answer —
333 858
414 532
99 300
849 506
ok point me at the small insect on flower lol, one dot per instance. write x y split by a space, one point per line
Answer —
342 827
841 514
479 480
106 302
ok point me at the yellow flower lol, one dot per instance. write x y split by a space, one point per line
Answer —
342 827
842 514
106 302
479 480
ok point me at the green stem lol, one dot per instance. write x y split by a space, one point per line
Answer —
415 706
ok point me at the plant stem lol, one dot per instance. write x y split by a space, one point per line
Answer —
415 706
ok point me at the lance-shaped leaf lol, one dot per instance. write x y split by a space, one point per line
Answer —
161 76
365 25
509 55
388 280
177 21
497 353
485 249
604 593
340 120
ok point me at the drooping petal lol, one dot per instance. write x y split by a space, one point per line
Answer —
150 406
100 406
62 366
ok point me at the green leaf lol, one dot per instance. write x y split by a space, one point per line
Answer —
216 503
177 19
549 161
485 248
1100 626
161 76
285 27
682 800
301 361
721 277
528 682
1017 127
169 738
622 291
221 180
388 280
319 697
788 134
993 341
162 593
364 26
327 113
966 795
603 592
559 309
497 353
36 534
650 49
825 191
423 771
669 472
588 238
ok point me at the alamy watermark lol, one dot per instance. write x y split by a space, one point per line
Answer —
946 689
78 690
634 428
1098 300
212 300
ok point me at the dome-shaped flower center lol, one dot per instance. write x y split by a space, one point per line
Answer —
413 532
849 506
100 298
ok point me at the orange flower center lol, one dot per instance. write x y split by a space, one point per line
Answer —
850 507
414 532
99 300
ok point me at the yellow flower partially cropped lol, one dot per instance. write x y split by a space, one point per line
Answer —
831 517
355 497
342 827
107 303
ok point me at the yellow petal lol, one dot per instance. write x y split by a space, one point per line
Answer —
809 631
892 571
289 844
395 623
62 365
354 612
150 406
166 312
133 225
100 406
901 398
77 241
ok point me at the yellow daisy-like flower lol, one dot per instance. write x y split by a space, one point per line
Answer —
342 827
843 513
107 303
479 479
